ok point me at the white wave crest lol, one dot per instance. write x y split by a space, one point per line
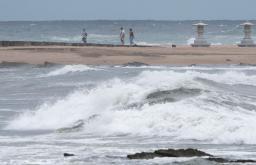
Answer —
206 117
143 43
65 39
190 41
78 38
70 69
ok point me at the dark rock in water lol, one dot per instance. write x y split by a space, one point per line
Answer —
181 153
221 160
243 161
143 155
68 155
135 64
184 153
169 153
172 95
218 160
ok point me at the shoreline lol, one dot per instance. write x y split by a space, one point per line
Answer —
119 55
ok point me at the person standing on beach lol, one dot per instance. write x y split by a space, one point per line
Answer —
122 35
84 36
131 37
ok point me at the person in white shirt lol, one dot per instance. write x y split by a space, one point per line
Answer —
122 35
84 36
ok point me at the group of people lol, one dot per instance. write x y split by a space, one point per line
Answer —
131 36
122 36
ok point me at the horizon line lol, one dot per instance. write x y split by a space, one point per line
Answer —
174 20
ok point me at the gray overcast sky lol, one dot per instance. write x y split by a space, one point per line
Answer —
126 9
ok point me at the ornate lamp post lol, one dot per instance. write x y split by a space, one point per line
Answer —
247 40
200 41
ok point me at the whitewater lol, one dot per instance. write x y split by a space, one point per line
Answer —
103 113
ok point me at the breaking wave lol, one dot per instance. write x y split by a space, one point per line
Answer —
166 44
65 39
190 41
77 38
188 105
70 69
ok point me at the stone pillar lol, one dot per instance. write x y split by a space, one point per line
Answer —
200 41
247 40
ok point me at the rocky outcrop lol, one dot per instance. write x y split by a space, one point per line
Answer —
184 153
181 153
169 153
68 155
144 155
221 160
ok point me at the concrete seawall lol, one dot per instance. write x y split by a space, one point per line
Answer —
42 43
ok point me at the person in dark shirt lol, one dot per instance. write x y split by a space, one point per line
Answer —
131 37
84 36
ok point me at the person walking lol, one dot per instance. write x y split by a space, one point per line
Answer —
131 37
122 35
84 36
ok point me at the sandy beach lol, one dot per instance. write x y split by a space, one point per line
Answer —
93 55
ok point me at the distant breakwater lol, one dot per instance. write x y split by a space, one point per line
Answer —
42 43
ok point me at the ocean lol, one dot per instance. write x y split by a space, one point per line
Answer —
163 33
103 113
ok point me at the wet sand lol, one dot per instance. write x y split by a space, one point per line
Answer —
91 55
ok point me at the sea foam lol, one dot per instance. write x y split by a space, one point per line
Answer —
190 41
77 38
208 117
70 69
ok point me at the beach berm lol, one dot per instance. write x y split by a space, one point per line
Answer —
100 55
